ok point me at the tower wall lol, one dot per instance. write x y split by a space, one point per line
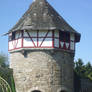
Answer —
43 70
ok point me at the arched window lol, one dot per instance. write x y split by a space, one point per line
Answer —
36 91
62 91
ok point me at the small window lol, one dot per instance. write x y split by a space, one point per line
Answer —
13 35
36 91
62 91
18 35
61 35
67 37
64 36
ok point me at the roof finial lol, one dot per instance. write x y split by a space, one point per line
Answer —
39 0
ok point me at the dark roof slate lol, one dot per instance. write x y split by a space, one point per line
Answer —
42 16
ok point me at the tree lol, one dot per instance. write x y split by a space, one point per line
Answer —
88 72
7 75
88 66
3 60
79 67
83 71
5 72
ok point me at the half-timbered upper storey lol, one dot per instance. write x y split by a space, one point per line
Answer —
42 39
42 27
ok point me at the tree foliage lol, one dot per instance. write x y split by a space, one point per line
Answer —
5 72
3 60
83 70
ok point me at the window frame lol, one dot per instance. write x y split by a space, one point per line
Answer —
64 36
13 35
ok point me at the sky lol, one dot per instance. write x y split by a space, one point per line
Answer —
78 13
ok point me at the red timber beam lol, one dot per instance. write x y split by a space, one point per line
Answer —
31 38
44 38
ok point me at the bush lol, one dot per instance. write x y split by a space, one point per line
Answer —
7 75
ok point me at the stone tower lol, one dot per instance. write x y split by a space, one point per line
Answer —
42 48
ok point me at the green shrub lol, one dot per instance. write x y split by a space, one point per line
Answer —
7 75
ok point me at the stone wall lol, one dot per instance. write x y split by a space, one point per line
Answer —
44 70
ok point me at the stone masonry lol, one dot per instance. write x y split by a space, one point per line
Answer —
43 70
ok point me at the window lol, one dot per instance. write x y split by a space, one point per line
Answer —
62 91
64 36
12 36
36 91
18 35
61 35
15 35
67 37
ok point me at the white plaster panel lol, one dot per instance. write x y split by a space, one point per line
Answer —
33 33
62 44
40 41
27 42
35 41
47 42
67 45
56 33
15 44
56 42
72 45
72 37
11 45
18 43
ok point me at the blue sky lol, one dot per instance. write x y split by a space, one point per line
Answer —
78 13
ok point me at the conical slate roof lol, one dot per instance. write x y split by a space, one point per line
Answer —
42 16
